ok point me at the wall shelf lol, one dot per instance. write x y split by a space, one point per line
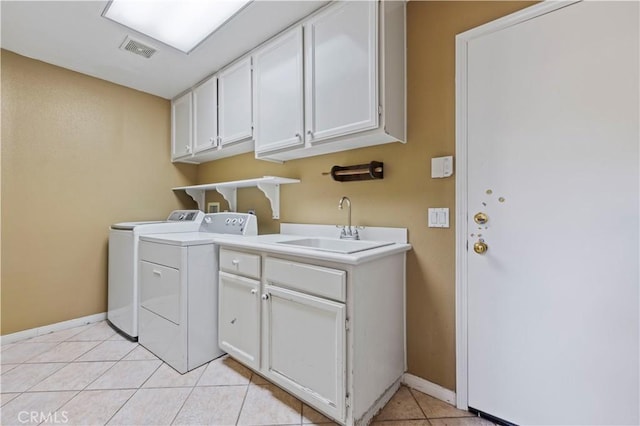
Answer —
269 185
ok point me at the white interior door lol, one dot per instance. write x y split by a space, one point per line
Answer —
552 160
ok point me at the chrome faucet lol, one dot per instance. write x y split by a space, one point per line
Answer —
348 232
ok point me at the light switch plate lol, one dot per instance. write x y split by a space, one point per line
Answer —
441 167
438 218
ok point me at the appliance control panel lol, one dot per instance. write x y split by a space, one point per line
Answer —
230 223
185 216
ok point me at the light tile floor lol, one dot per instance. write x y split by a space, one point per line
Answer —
90 375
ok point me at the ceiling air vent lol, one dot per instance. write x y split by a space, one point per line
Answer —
134 46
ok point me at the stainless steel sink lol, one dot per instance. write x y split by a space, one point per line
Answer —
335 245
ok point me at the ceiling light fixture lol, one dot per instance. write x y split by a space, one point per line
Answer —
182 24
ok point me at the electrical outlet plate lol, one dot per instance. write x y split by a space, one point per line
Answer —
441 167
438 218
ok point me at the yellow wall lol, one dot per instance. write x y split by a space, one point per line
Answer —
407 191
81 153
78 154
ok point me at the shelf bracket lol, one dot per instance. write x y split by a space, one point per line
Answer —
230 194
272 192
198 197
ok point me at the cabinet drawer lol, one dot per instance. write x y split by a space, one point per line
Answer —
240 263
310 279
162 254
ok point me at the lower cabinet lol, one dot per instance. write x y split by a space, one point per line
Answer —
239 318
306 346
289 319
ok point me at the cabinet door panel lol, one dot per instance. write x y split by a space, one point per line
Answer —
278 91
306 342
239 318
235 102
181 114
205 121
341 71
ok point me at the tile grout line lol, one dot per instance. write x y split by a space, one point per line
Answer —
64 403
78 392
418 404
175 417
134 392
244 399
45 378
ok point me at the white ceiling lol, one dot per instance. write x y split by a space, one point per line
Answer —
74 35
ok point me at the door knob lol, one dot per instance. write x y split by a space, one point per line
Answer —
265 296
480 247
480 218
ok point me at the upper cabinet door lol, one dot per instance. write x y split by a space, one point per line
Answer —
181 114
278 94
234 108
341 70
205 121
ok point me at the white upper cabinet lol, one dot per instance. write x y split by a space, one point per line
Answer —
354 82
205 119
278 93
333 82
341 85
214 119
181 127
235 111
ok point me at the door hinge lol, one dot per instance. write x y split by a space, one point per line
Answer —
379 109
347 400
346 324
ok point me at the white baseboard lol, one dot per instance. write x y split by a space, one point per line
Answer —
46 329
429 388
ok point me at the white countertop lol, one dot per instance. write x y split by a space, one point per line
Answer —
270 243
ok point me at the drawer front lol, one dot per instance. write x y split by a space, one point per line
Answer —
240 263
160 290
162 254
310 279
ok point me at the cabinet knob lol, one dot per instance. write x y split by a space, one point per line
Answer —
310 133
265 296
299 136
235 262
254 291
211 139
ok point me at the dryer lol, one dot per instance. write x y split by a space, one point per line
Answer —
179 290
123 292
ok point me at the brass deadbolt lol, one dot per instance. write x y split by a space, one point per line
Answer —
480 218
480 247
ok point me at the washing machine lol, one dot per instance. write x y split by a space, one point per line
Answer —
179 290
123 289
